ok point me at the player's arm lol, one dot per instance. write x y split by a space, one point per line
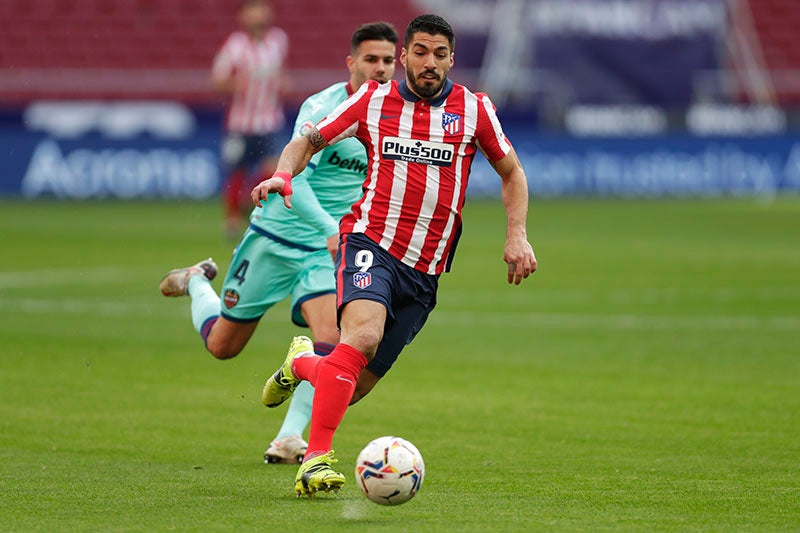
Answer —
518 252
307 206
223 78
339 124
223 85
304 199
293 160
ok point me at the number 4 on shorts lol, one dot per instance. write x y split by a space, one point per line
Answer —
241 271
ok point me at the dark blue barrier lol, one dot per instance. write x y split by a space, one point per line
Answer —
118 150
676 165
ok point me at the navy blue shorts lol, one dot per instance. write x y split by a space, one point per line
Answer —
370 273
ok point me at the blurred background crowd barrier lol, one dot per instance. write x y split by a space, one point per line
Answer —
111 98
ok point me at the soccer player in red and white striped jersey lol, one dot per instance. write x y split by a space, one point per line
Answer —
248 69
416 218
421 136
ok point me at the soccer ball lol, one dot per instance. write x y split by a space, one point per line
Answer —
390 470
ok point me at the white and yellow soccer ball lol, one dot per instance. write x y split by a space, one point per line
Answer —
390 470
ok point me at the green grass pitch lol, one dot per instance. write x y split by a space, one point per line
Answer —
646 378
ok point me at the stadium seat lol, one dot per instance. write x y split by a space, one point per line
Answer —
776 22
170 34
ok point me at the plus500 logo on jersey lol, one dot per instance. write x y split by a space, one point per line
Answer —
414 151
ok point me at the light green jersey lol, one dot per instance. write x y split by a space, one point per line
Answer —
324 191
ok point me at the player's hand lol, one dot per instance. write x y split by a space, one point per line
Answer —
280 183
520 259
333 245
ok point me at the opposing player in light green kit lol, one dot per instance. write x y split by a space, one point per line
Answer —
289 252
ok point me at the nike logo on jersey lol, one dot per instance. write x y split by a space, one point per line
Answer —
416 151
342 378
387 117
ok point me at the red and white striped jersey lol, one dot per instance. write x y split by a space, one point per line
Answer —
419 154
255 107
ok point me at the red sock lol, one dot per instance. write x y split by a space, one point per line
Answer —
233 191
336 377
306 367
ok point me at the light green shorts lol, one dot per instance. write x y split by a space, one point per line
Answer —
263 272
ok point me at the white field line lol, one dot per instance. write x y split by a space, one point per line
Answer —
615 321
36 306
638 295
99 275
168 310
63 277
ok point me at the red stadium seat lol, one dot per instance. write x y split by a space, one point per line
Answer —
170 34
777 23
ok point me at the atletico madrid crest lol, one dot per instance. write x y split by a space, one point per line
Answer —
452 123
362 280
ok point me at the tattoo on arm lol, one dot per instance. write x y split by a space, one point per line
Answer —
315 138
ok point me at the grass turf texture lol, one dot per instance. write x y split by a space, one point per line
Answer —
646 378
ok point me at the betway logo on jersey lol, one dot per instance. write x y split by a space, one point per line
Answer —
356 165
415 151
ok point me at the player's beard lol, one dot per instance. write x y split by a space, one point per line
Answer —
423 89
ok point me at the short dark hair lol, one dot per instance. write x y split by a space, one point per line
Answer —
433 25
372 31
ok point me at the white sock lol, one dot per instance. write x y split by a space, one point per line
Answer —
205 302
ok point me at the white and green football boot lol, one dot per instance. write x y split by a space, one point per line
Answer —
176 282
287 450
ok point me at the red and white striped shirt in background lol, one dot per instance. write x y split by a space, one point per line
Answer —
419 154
256 106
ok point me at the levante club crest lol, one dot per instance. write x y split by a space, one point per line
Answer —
231 298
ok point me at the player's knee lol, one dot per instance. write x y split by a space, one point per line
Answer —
222 350
223 354
365 340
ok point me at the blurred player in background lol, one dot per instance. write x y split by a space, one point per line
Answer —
421 136
248 70
288 253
